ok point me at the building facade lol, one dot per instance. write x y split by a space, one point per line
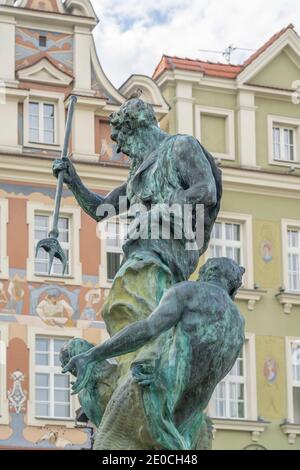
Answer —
248 116
47 53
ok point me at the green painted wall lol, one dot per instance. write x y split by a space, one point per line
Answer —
279 73
218 99
213 133
268 321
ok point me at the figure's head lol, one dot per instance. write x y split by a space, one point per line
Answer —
224 271
134 116
72 348
53 295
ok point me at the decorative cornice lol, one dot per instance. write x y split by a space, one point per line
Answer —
288 300
256 428
251 296
291 430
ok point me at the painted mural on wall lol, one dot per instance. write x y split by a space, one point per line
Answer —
56 47
54 309
107 148
270 370
94 299
12 295
51 304
266 249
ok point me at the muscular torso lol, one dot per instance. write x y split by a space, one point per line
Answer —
157 181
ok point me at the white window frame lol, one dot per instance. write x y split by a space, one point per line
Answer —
285 225
66 246
284 122
226 113
4 413
250 389
4 264
56 99
33 333
41 118
241 380
74 214
289 372
245 220
104 282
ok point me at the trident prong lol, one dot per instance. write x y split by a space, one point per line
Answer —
51 244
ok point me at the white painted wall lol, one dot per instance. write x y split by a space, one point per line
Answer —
7 48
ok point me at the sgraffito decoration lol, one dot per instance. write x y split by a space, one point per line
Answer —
270 370
266 250
17 396
56 47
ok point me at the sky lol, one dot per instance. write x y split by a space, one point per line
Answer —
132 35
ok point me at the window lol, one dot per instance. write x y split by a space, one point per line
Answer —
215 130
113 235
231 237
283 143
41 122
283 140
293 236
52 388
3 238
42 226
39 219
293 379
229 399
234 397
226 241
42 41
4 417
295 356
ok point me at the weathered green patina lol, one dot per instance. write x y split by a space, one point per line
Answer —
163 327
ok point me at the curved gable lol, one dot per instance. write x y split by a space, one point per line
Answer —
54 6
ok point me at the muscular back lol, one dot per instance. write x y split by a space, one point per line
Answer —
215 329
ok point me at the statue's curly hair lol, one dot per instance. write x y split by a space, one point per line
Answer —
72 348
223 268
133 114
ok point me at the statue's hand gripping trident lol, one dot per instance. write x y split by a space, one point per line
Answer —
51 244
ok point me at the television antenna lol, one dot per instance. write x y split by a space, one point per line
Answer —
226 53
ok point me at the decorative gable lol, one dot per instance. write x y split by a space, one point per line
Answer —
44 72
283 49
56 47
281 72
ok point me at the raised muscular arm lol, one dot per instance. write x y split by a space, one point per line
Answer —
89 201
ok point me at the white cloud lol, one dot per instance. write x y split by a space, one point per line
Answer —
132 35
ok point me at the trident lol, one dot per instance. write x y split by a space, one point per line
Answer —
51 244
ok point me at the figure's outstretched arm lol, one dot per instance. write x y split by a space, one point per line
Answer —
89 201
136 335
167 314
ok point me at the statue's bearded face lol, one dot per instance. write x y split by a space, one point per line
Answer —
121 132
126 125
